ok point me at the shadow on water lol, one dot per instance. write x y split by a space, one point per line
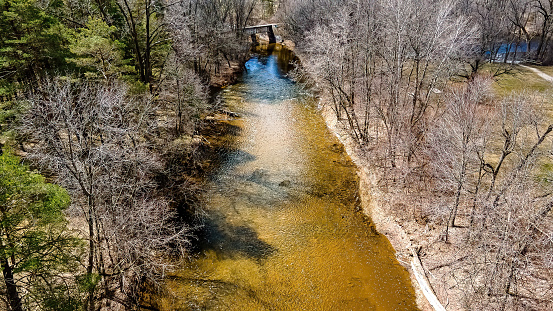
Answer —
234 155
221 148
220 129
282 227
230 241
286 60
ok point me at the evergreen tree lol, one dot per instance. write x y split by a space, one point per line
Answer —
32 41
97 51
36 247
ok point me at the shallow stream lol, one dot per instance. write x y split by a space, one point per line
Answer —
283 228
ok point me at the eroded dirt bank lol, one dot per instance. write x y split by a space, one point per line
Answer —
371 197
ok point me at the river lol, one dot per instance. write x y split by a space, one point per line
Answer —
283 229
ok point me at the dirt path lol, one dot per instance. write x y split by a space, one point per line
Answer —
540 73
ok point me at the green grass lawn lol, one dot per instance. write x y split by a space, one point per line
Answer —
522 79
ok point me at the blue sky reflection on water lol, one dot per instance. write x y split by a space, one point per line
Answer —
264 81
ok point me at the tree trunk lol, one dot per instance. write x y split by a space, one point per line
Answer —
91 248
453 215
11 289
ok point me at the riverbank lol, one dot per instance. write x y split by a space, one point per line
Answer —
228 74
371 200
408 210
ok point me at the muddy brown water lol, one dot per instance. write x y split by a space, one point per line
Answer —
283 229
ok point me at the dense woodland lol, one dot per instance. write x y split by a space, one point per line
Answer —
106 99
465 169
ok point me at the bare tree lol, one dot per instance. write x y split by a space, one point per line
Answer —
93 137
209 34
388 62
494 36
457 137
183 96
519 14
505 232
545 10
303 16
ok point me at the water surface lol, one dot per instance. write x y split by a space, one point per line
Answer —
283 231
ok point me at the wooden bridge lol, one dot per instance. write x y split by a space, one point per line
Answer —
253 30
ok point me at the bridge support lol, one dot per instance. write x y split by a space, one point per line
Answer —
254 39
271 34
253 30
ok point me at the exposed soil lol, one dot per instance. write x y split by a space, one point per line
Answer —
227 75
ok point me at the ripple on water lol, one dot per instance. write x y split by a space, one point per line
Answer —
282 228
